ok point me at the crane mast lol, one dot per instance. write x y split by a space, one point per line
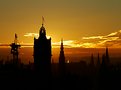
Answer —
14 49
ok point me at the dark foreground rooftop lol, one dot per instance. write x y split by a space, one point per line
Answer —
76 76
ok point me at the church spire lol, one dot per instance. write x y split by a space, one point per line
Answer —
62 60
62 45
62 56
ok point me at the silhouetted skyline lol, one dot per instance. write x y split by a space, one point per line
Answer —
85 57
98 74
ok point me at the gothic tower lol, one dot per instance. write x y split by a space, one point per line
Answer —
42 52
62 56
62 60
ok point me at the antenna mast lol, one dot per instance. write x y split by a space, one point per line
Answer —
14 49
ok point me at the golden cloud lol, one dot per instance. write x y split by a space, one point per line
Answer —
107 40
94 37
112 40
31 35
36 35
74 43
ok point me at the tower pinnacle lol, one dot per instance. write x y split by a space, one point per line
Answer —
62 56
42 30
43 20
62 60
62 44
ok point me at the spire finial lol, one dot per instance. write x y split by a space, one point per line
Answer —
42 20
61 40
61 44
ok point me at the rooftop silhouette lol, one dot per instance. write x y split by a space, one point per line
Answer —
98 74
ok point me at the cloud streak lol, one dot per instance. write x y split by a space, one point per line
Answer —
111 40
75 43
36 35
31 35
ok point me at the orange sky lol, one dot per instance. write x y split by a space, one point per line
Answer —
82 23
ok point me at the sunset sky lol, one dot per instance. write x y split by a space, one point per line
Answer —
81 23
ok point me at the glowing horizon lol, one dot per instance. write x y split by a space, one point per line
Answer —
81 23
111 40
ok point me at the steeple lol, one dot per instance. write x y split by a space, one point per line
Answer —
62 67
62 45
62 56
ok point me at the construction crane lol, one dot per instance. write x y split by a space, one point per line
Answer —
14 49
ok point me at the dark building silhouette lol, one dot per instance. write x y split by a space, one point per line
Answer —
104 64
62 56
98 61
107 57
103 60
91 65
42 52
62 59
92 61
